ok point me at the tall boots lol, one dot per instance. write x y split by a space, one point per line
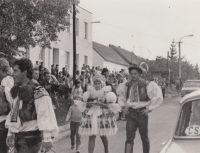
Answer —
128 147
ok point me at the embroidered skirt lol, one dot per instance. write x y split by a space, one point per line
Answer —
103 125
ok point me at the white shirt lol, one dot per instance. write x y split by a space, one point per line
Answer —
154 93
46 119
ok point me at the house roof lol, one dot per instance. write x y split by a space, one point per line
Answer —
109 54
129 57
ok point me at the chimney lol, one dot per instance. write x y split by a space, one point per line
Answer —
110 45
119 46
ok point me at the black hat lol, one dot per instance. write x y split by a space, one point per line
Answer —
135 67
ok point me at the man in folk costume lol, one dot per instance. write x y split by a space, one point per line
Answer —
32 120
7 83
142 98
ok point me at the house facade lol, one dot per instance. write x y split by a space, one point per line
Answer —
61 52
107 57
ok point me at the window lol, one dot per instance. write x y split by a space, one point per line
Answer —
67 58
68 19
86 60
86 30
77 61
77 26
189 120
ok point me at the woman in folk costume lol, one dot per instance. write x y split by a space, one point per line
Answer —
98 117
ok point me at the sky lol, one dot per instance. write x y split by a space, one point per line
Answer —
147 27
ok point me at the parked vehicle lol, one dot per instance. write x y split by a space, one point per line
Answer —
190 86
186 138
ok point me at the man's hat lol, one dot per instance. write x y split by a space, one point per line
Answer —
135 67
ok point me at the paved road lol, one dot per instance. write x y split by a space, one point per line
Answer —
161 127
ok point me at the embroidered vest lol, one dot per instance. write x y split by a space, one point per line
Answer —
142 89
4 104
28 111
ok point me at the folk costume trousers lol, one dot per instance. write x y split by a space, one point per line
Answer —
136 120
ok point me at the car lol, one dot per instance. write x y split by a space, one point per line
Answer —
186 138
190 86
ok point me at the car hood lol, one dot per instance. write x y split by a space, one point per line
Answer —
183 146
190 89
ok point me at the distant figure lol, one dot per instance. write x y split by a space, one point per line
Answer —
35 75
177 85
57 70
53 71
36 64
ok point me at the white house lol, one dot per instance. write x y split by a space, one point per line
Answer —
105 56
62 51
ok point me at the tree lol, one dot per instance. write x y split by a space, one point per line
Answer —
25 23
173 51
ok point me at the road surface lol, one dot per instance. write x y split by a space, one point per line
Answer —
161 127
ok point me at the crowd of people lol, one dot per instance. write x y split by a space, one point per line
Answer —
97 95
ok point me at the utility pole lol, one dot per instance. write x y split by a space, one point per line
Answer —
179 60
74 42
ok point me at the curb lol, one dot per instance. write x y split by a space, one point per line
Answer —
64 132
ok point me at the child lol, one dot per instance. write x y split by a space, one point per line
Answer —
74 115
98 117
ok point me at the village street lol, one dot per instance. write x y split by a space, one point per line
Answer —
162 122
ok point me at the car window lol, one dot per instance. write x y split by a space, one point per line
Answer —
192 84
189 120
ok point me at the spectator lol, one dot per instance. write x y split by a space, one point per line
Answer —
53 71
41 77
77 74
41 64
88 81
177 85
35 75
77 91
36 64
163 87
105 73
57 70
64 72
61 79
93 71
68 85
82 79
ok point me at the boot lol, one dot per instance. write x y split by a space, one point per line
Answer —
128 147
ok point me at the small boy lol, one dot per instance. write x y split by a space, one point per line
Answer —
74 115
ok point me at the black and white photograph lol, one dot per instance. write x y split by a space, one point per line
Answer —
99 76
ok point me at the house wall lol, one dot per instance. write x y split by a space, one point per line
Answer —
114 67
83 46
97 60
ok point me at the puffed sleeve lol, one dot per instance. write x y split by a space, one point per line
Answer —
111 99
155 94
8 95
46 118
82 106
